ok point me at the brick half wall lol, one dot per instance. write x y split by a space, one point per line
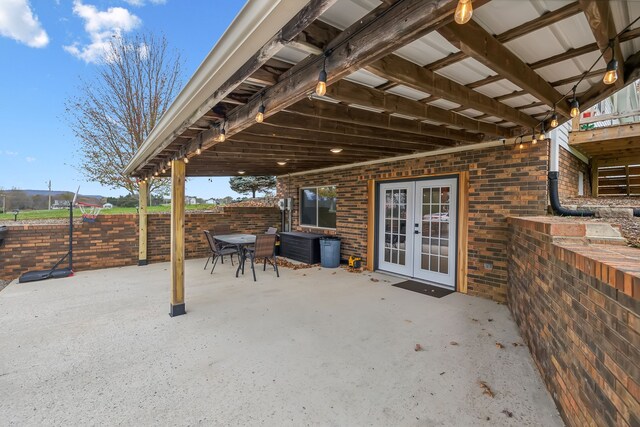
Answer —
577 306
112 241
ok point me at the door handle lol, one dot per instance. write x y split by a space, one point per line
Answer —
417 231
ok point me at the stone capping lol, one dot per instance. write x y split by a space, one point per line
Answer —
600 255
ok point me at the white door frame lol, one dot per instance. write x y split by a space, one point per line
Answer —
399 258
413 235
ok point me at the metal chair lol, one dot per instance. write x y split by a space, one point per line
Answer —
218 252
264 248
220 229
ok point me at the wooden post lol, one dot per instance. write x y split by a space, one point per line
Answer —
178 170
143 191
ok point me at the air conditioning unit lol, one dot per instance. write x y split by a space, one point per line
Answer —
284 204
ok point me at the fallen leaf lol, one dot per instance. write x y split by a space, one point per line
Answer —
474 320
489 334
441 373
516 344
408 321
507 413
453 343
486 389
418 348
499 344
334 272
373 279
490 320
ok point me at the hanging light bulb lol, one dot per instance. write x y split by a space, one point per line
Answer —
554 120
575 108
464 10
164 170
169 163
611 75
321 87
199 150
185 160
222 136
156 173
541 137
261 110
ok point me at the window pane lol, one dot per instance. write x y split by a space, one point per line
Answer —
327 199
308 200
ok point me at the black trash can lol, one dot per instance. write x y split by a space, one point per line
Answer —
330 252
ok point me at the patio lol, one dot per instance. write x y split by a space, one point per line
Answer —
316 346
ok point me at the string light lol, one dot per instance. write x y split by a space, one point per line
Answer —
575 108
321 87
155 173
554 119
261 110
611 75
223 133
199 150
464 10
164 170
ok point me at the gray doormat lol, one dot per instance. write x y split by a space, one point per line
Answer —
423 288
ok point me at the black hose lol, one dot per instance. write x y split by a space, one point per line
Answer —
554 199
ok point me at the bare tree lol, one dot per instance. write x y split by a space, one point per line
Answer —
115 111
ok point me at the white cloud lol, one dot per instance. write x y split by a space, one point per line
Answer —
10 153
30 159
18 22
101 26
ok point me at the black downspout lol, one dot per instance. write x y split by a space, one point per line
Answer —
554 199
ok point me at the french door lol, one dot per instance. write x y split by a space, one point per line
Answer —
417 229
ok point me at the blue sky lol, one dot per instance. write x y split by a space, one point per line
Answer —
46 46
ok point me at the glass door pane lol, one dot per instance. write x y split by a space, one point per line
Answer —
395 238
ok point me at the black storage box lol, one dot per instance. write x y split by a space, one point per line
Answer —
303 247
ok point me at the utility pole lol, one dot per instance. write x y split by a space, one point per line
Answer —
49 205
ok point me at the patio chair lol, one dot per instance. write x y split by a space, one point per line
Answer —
264 248
218 252
219 229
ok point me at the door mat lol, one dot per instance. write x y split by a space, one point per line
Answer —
423 288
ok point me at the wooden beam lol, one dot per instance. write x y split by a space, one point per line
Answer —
463 231
288 32
477 43
178 169
380 32
409 74
600 19
286 135
544 20
359 116
354 93
317 124
143 202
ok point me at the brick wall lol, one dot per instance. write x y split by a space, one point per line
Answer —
504 181
577 306
112 241
569 166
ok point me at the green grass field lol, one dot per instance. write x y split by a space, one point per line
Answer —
64 213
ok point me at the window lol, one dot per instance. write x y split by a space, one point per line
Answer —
318 207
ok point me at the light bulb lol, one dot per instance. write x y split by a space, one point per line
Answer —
541 137
521 145
260 115
575 108
464 10
282 163
611 75
241 172
186 159
168 163
321 87
554 120
164 170
156 173
198 151
336 150
222 136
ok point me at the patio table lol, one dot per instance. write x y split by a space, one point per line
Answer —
240 241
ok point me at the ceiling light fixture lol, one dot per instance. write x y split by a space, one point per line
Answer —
336 150
282 163
241 172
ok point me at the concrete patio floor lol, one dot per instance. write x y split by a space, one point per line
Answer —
315 347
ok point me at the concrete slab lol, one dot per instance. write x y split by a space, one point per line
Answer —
317 346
